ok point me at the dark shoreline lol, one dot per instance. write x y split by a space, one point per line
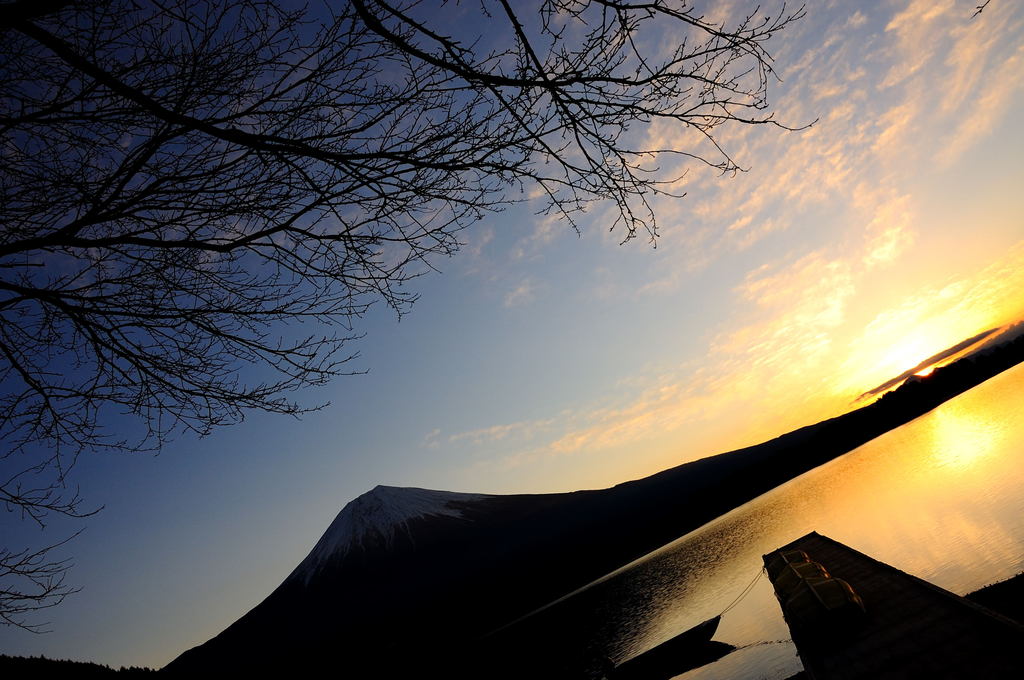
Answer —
1003 597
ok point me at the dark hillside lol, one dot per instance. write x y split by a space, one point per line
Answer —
419 601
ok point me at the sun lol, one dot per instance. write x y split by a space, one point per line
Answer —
926 371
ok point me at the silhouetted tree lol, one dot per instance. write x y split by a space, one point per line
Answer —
201 198
30 581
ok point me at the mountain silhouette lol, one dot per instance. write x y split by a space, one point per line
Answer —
407 581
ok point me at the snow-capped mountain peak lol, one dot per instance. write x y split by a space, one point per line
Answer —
379 513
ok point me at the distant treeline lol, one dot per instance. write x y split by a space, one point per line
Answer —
40 666
779 460
921 394
1005 597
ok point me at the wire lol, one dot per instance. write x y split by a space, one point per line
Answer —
744 592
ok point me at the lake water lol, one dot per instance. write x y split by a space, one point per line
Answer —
941 497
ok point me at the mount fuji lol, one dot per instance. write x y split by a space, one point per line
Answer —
408 579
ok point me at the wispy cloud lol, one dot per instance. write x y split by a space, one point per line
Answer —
916 31
799 303
814 242
985 109
889 233
789 368
431 440
522 294
495 433
924 320
545 230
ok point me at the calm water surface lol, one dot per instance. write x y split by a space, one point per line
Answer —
941 497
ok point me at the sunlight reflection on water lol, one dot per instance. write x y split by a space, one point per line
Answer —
938 497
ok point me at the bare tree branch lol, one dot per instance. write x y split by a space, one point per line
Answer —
201 199
30 581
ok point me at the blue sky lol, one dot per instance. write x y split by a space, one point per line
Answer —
539 360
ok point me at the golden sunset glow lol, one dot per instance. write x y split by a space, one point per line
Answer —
876 234
962 438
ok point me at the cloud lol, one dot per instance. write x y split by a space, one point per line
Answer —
799 304
521 295
797 356
915 32
473 254
924 320
659 408
821 243
431 439
889 233
545 230
986 109
488 435
896 124
760 230
857 20
965 63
